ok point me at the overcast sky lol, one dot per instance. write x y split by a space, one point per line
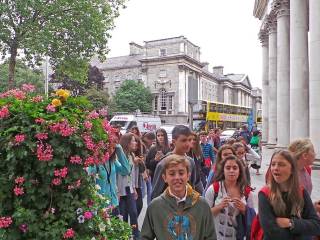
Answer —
225 30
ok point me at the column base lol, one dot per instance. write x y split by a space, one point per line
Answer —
270 145
280 147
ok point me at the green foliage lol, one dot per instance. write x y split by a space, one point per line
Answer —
133 95
65 30
23 74
98 98
42 187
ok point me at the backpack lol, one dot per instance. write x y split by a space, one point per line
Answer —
254 141
243 229
256 229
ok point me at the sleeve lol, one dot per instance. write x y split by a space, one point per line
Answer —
195 181
268 220
210 230
150 162
252 155
158 183
92 170
209 196
123 168
147 230
310 222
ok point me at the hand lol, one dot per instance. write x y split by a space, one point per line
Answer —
158 156
224 203
136 160
135 194
239 205
283 222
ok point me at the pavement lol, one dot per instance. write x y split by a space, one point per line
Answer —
258 181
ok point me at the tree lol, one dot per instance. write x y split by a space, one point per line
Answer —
94 76
133 95
69 32
23 74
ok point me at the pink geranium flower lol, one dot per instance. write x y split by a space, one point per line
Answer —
19 180
19 138
18 191
76 160
4 112
39 120
5 222
88 215
69 233
44 152
51 108
37 99
42 136
88 125
28 87
56 181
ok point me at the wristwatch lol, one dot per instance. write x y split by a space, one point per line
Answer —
291 224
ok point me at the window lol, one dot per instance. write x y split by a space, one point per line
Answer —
163 99
155 106
163 52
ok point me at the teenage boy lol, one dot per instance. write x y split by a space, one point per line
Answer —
181 140
180 212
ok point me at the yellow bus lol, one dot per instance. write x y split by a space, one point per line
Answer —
222 115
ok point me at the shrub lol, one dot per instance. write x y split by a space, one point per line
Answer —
45 146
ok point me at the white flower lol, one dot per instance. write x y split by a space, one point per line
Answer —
108 202
79 210
81 219
97 187
102 227
93 238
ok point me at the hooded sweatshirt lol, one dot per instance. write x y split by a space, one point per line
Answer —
166 219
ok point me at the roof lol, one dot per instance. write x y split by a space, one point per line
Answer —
240 78
119 62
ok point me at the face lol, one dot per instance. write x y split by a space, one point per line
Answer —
132 145
211 133
281 169
176 177
240 153
160 137
192 141
134 131
225 153
231 170
182 144
203 138
310 157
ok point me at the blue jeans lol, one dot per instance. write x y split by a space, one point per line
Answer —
128 207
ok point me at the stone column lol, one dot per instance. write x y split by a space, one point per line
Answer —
265 84
272 27
299 70
283 72
314 88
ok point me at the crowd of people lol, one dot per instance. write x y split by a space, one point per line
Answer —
198 188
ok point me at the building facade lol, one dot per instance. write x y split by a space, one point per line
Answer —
173 71
290 38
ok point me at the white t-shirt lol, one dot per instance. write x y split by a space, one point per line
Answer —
225 221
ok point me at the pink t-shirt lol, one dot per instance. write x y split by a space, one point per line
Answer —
305 180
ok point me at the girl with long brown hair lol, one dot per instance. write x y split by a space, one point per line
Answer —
230 199
287 211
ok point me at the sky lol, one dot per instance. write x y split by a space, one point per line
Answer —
225 30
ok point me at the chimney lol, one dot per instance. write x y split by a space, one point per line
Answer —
205 66
218 70
135 49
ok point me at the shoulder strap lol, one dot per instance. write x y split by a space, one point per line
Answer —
247 191
265 190
216 187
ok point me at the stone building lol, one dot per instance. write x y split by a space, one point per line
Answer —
290 38
173 71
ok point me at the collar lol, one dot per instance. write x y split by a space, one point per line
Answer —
179 200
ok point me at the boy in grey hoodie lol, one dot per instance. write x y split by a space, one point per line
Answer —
180 212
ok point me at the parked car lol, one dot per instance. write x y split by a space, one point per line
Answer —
226 134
